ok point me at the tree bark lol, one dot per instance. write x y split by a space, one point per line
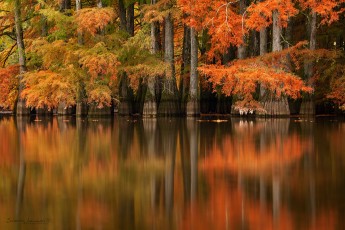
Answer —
168 104
122 15
263 51
276 33
64 5
150 105
308 104
130 19
185 70
193 107
128 103
21 108
242 48
263 41
81 107
276 107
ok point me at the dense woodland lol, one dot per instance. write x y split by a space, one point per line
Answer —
172 57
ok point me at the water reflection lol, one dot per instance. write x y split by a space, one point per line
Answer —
126 173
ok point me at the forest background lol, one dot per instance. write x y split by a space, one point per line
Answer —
166 57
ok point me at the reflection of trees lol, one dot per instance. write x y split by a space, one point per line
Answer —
8 144
20 123
146 174
223 209
257 147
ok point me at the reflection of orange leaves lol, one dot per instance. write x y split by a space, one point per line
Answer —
8 142
242 154
229 208
96 169
93 214
323 221
46 145
92 20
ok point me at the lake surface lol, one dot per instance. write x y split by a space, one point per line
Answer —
126 173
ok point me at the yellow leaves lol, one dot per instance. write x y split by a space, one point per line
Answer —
99 61
48 89
100 94
92 20
137 61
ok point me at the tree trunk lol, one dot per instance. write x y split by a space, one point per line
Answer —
185 70
294 104
44 26
150 105
64 5
276 33
126 96
263 41
21 107
168 104
130 19
263 51
254 44
81 107
128 103
122 15
308 104
276 107
242 48
193 106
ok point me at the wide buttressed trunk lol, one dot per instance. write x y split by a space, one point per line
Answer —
21 108
193 106
168 105
273 106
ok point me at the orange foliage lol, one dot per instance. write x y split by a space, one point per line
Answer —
338 92
99 62
260 13
222 20
328 10
8 86
47 88
92 20
273 71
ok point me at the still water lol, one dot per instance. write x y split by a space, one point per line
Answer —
126 173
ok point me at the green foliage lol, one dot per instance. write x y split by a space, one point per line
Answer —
137 61
63 26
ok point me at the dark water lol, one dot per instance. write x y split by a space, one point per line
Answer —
67 173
